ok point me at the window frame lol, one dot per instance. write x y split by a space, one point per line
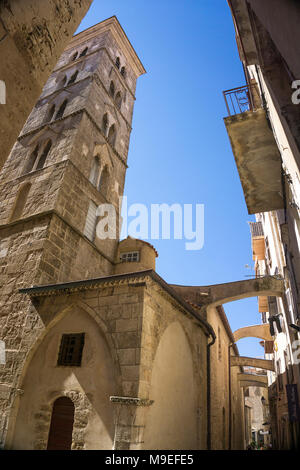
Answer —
125 257
64 350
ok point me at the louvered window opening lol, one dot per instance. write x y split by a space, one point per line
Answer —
91 221
256 229
70 351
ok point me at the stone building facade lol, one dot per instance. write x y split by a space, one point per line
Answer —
264 134
70 157
101 352
33 35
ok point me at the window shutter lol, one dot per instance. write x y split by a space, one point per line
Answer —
91 220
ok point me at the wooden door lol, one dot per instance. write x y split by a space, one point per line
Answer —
61 427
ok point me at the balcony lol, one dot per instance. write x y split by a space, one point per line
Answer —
255 150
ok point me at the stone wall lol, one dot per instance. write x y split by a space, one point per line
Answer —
33 34
220 407
134 317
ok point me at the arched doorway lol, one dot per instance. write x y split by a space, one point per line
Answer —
61 427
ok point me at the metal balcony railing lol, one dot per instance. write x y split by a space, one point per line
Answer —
241 99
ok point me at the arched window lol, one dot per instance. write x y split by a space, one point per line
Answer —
44 155
95 171
20 201
118 62
105 124
61 426
63 81
112 135
112 89
32 159
118 99
84 52
61 110
123 72
104 181
74 57
50 113
73 78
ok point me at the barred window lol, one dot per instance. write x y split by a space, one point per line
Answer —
70 351
133 256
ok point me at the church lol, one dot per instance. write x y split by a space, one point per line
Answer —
101 352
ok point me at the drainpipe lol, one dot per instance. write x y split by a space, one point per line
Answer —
208 443
229 397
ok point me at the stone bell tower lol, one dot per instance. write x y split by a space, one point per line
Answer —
70 157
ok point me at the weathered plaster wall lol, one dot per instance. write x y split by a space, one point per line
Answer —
172 419
90 386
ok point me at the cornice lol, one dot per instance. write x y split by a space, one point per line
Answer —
102 48
111 25
118 280
78 111
50 213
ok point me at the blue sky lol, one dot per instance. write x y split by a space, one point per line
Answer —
179 148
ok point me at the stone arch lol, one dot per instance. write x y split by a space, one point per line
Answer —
73 77
164 323
172 388
118 99
104 182
219 294
92 389
20 202
106 159
253 331
112 135
112 89
61 110
44 155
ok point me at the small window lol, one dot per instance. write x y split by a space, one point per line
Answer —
112 135
84 52
32 160
20 201
118 99
73 78
123 72
63 81
112 89
74 57
105 124
70 351
118 62
50 114
95 171
61 110
91 222
131 257
44 155
103 185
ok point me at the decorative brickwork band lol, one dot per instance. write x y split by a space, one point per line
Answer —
131 401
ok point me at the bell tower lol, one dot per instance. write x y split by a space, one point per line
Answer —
70 157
